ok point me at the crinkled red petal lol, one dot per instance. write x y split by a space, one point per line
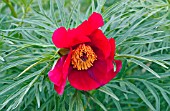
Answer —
111 74
94 77
60 89
118 65
89 26
81 80
63 38
89 79
58 75
112 53
99 40
96 20
66 64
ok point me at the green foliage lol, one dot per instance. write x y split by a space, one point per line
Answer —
140 28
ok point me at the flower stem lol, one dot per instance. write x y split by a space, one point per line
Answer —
9 4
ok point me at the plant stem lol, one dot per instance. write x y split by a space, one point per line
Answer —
9 4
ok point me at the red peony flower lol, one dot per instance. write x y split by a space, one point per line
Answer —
89 62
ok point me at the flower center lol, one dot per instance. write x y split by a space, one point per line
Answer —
83 57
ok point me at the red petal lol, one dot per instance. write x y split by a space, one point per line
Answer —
89 26
118 65
109 64
60 89
66 64
112 53
58 75
66 39
94 77
89 79
99 40
81 80
85 28
101 75
58 36
111 74
99 71
96 20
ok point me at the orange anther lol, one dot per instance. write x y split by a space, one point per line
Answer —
83 57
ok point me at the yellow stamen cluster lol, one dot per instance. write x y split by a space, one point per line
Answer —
83 57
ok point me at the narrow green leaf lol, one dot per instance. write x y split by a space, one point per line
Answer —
145 67
93 5
121 40
18 49
46 103
19 100
61 9
16 63
21 81
71 102
155 94
100 4
1 58
40 6
141 94
28 68
166 97
106 25
36 22
26 28
79 105
52 13
109 92
71 13
152 51
37 95
117 105
11 97
95 100
142 58
118 88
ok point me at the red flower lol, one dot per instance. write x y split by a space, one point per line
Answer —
89 62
